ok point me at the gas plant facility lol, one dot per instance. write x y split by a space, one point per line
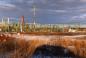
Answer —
6 25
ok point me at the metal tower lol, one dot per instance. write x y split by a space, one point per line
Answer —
34 12
34 15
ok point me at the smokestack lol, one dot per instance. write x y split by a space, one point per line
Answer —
2 21
8 20
22 20
22 23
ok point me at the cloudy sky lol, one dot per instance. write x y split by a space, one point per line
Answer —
47 11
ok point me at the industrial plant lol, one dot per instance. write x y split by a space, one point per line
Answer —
21 39
6 25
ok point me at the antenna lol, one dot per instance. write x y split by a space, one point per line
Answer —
34 9
34 13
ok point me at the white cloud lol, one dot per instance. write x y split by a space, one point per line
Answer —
4 5
61 11
82 0
80 17
83 10
30 1
49 10
69 0
7 5
20 0
44 1
83 16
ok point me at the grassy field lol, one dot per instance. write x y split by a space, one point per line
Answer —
20 48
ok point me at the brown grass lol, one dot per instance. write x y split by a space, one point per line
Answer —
24 49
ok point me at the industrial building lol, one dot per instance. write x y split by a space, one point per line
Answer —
8 26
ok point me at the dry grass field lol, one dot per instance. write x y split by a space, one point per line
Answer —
20 48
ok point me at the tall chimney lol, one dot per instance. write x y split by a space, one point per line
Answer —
22 23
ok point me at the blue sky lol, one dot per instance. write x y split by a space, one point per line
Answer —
47 11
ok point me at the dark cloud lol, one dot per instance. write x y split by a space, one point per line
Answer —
47 11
